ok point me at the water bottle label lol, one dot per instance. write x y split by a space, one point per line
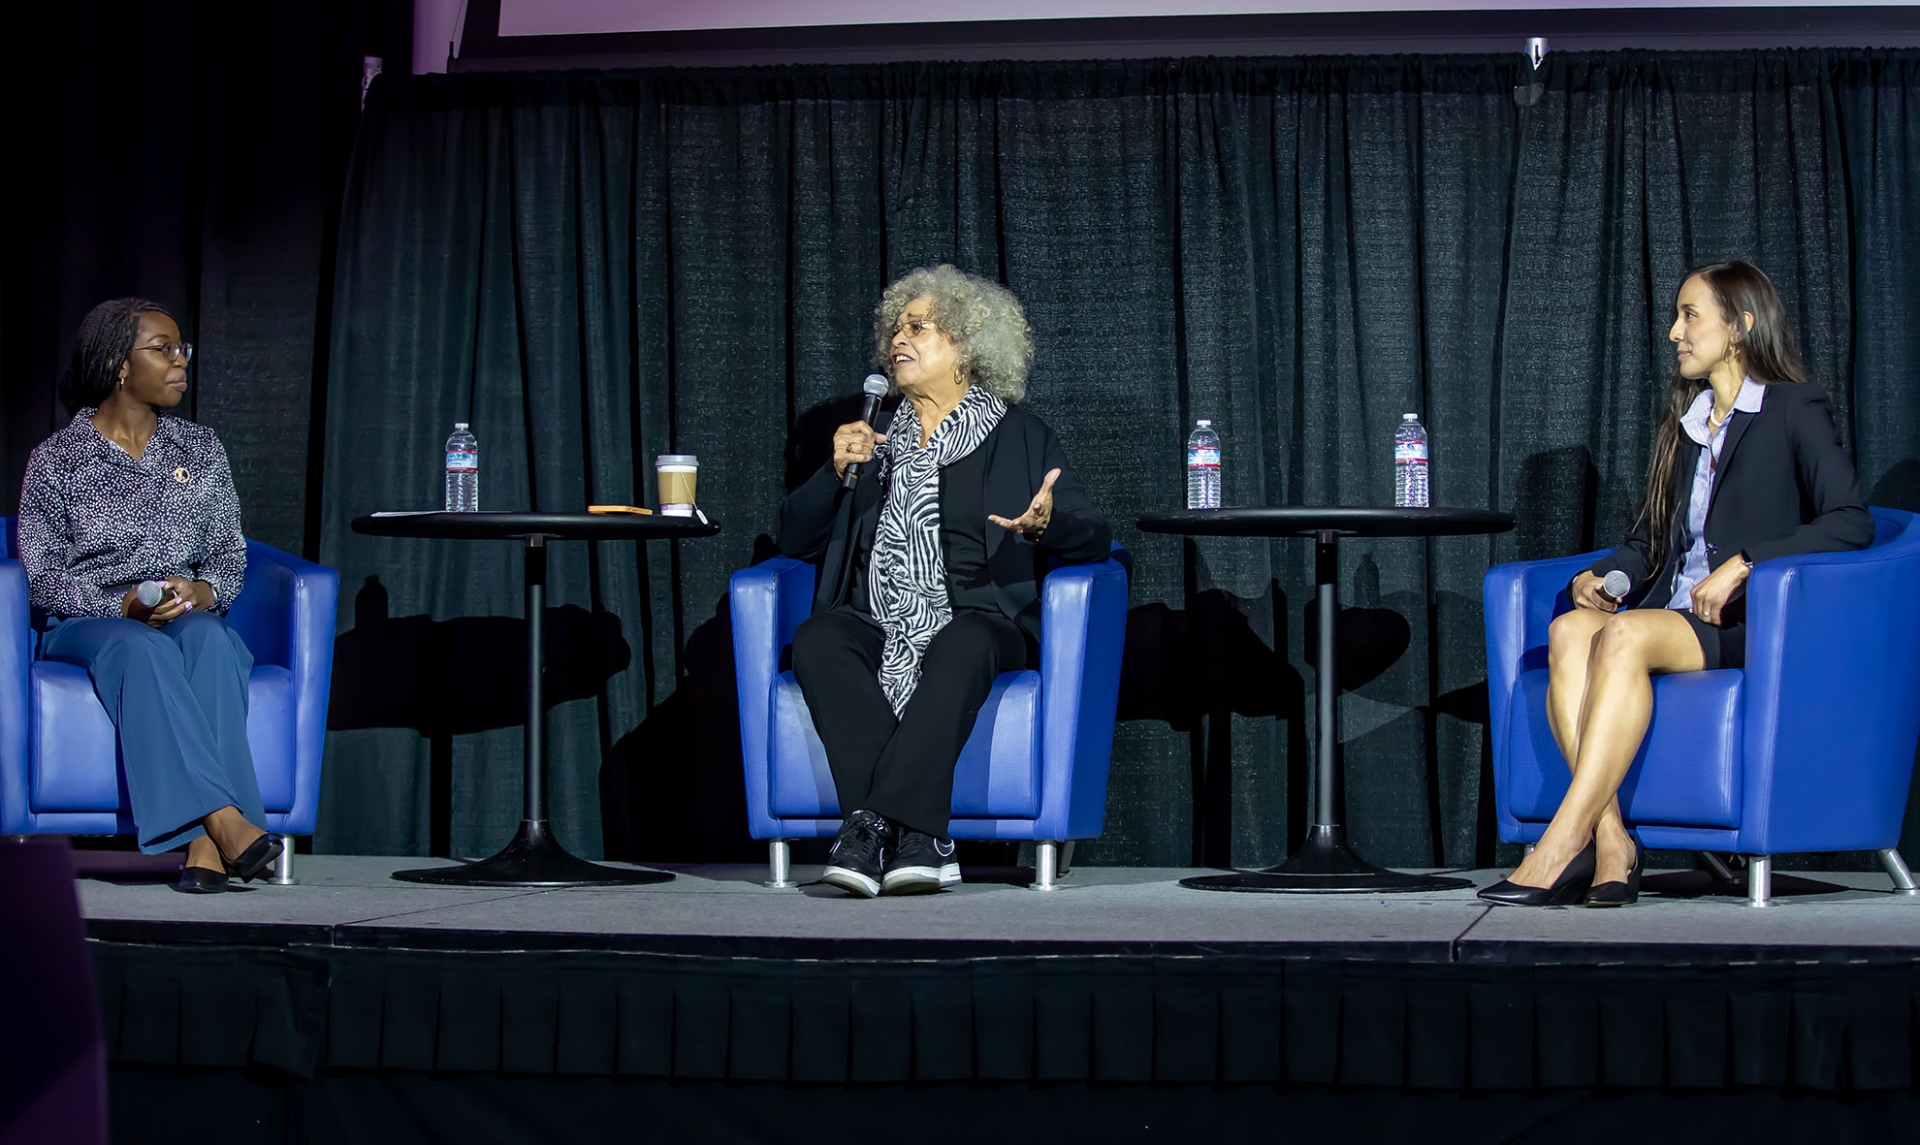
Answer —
1203 458
1409 451
462 459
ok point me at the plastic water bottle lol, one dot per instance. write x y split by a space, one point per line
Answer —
1203 466
1410 464
463 470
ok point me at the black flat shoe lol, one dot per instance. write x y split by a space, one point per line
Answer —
200 881
1569 888
254 859
1621 894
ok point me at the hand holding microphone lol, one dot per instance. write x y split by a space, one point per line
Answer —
1601 594
157 603
853 442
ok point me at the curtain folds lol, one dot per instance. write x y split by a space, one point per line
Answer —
594 268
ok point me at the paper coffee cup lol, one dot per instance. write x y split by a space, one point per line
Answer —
677 473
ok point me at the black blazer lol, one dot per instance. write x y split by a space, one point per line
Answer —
1784 487
820 522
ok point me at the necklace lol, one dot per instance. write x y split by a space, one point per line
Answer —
1713 429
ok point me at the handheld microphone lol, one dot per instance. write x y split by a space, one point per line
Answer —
875 388
147 596
1616 585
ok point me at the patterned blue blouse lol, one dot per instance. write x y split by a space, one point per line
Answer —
94 522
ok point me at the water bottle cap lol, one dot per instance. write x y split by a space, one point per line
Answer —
1204 421
1409 417
463 425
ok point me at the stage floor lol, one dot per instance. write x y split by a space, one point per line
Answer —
347 901
1120 976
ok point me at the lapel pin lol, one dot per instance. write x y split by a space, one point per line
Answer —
182 476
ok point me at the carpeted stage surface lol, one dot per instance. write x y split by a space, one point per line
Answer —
353 1007
351 901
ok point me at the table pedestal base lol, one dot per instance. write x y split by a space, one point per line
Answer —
1326 865
534 859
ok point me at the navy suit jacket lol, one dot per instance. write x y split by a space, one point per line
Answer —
1784 487
823 523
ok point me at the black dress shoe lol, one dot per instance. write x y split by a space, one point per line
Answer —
1621 894
1569 888
254 859
200 881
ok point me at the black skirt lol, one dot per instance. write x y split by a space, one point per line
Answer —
1723 646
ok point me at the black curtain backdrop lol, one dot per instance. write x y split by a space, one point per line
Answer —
194 154
594 268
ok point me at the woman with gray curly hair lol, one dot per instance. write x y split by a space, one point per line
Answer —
930 569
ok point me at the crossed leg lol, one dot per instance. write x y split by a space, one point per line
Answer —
1599 702
227 831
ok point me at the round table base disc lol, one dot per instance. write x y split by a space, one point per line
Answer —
534 859
1274 882
1325 865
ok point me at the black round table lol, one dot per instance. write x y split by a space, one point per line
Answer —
534 858
1326 864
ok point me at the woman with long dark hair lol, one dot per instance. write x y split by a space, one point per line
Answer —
120 499
1746 468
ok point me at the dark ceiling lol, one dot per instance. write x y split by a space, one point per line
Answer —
1592 29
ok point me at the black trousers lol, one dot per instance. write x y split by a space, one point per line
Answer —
900 769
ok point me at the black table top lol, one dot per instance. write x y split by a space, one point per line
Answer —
1306 520
558 526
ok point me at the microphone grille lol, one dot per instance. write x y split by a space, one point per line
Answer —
149 593
875 386
1617 584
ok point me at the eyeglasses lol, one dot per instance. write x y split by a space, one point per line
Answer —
914 327
178 353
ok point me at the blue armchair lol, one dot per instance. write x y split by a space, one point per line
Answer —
1036 764
59 761
1808 748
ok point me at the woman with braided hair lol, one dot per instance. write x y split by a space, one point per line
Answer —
119 498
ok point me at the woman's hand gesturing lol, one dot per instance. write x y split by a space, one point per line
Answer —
1034 521
852 444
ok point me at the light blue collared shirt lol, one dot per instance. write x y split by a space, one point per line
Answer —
1693 567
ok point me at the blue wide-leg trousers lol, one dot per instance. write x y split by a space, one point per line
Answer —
178 696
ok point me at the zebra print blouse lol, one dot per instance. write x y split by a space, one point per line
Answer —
907 574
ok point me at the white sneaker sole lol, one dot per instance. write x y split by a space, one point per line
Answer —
848 879
920 880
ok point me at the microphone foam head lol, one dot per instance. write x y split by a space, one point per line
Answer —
149 593
1617 584
875 386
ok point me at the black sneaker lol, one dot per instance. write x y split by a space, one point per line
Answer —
859 854
920 863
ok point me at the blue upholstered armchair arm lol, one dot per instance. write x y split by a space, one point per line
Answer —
768 602
1521 600
1083 626
16 656
1832 716
285 612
